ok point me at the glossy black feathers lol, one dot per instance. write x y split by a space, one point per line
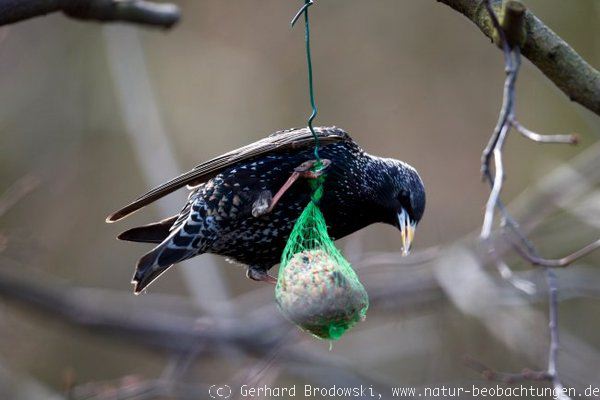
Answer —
360 189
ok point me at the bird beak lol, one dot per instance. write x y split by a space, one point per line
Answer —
407 229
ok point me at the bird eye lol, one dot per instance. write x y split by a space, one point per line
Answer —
406 203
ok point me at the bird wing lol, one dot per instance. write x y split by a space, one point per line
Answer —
286 140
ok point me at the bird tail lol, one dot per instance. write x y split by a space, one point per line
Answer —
151 233
147 271
158 261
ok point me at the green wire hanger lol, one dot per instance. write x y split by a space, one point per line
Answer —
304 10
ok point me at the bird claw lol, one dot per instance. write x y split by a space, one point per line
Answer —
260 275
266 202
306 168
262 205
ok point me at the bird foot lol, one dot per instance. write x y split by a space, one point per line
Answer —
266 202
260 275
262 205
305 170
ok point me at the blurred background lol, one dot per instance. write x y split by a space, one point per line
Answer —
94 115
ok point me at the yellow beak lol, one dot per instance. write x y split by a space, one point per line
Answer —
407 230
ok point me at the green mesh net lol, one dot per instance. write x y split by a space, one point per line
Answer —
317 288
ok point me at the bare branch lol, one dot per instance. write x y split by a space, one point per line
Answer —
536 137
144 12
496 143
508 275
546 50
509 36
534 259
170 327
506 377
553 327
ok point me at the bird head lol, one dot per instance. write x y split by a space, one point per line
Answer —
401 196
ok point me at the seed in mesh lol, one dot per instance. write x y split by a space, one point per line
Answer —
317 294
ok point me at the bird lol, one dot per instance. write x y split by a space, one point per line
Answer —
243 204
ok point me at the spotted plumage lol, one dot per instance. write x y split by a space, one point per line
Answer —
221 215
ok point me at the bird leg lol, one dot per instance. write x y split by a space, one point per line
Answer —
265 203
262 204
260 274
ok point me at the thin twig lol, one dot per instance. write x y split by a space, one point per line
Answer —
536 137
508 275
559 262
506 377
163 15
524 247
494 147
553 326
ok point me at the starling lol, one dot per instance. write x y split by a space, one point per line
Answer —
243 204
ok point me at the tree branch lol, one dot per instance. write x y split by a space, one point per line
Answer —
144 12
546 50
534 259
490 374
